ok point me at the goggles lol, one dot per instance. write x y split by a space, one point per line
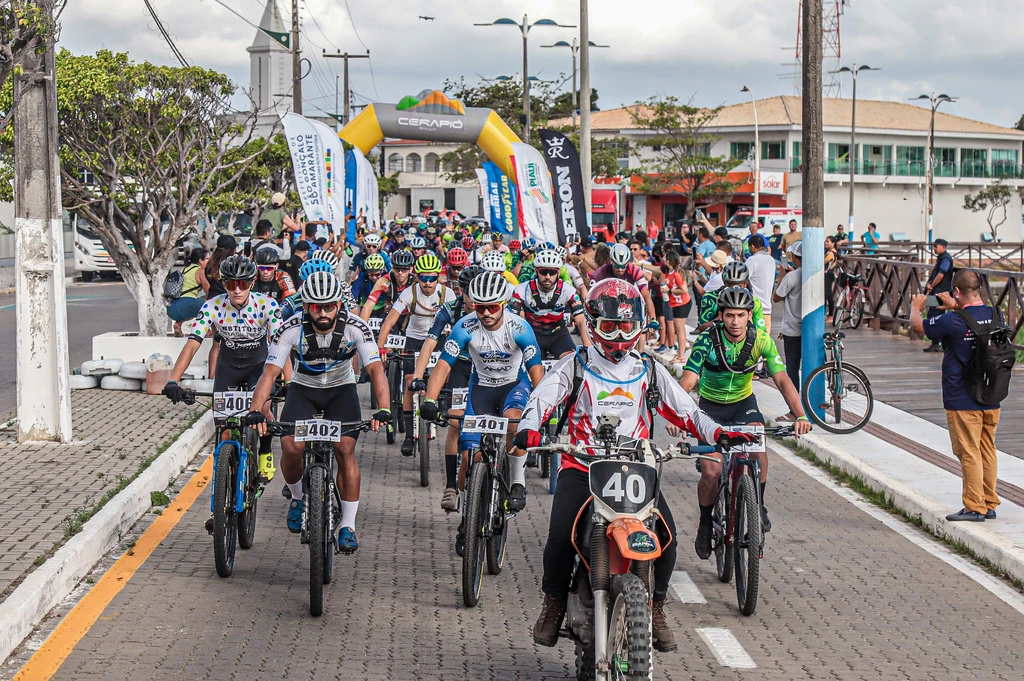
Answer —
428 278
316 308
489 308
266 268
617 329
240 284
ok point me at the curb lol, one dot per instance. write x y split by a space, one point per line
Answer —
1001 552
49 585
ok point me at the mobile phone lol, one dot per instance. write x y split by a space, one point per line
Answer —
931 301
700 214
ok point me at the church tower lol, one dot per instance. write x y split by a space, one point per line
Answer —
270 65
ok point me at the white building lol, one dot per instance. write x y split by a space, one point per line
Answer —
422 184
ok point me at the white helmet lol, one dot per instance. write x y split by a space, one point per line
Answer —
620 255
323 254
321 287
371 240
489 287
562 253
493 261
547 260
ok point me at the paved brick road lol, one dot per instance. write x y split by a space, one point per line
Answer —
843 597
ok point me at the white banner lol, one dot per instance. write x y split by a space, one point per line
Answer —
366 191
334 162
534 185
307 152
481 176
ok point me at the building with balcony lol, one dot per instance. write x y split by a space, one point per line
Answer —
423 186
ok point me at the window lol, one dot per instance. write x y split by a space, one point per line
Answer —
877 159
945 162
621 150
1004 163
838 158
413 163
395 164
773 150
910 161
431 163
741 150
797 157
973 162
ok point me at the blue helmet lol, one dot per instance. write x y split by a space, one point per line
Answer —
311 266
529 243
548 246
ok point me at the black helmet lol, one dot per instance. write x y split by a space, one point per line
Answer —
467 275
237 268
735 298
267 255
735 273
402 259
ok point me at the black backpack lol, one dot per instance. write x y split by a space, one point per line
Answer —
988 372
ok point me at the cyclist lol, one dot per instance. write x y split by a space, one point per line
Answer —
390 285
733 274
373 267
456 261
494 261
723 360
420 302
272 281
396 242
293 303
469 246
418 246
321 342
570 273
448 316
499 344
244 321
357 275
546 302
614 379
623 267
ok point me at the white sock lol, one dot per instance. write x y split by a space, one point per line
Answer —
296 488
348 514
518 466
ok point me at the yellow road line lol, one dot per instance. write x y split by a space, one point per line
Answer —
48 659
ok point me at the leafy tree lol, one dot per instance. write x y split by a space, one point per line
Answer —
681 152
387 186
993 200
562 104
144 150
26 27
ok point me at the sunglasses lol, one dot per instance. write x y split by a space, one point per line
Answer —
373 246
548 273
267 268
403 270
317 308
491 308
455 271
428 278
241 284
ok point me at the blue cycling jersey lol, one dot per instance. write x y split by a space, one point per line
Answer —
497 356
449 314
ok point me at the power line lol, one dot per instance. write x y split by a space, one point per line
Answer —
355 30
167 37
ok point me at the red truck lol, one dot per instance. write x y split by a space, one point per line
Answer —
604 216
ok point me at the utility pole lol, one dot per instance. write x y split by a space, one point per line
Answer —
348 93
296 61
853 139
813 247
935 101
585 149
44 394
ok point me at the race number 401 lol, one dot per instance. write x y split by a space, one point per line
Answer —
494 425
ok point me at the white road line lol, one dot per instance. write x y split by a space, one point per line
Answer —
726 648
915 536
684 588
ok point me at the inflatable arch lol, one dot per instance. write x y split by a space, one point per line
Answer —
432 117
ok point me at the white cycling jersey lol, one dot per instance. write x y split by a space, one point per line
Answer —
497 356
574 275
421 308
322 366
613 388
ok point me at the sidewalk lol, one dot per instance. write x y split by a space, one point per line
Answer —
911 461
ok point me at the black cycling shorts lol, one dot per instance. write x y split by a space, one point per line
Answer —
229 377
340 403
556 344
735 413
412 348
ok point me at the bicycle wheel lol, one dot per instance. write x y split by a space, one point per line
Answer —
747 545
497 543
315 499
332 515
856 309
247 518
423 444
225 524
556 460
629 631
476 524
395 387
847 403
840 311
720 523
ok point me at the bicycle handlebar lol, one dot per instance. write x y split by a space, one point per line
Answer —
287 428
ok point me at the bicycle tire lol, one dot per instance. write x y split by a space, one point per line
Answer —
373 399
629 630
331 516
555 463
316 530
839 308
396 387
747 545
473 558
856 309
720 522
497 543
863 383
247 518
423 444
225 525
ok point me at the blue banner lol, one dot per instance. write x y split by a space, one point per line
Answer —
501 197
351 176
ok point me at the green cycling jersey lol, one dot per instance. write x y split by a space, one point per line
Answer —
709 310
724 386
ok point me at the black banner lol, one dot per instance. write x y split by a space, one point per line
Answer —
567 185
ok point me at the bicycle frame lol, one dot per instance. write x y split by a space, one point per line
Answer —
319 456
242 474
734 467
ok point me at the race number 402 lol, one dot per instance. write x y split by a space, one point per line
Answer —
317 430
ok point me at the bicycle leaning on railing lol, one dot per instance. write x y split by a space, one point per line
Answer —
848 401
851 299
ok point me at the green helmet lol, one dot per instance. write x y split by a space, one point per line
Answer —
428 264
374 263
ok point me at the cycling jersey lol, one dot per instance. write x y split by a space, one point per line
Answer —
633 274
448 316
421 308
709 309
497 356
391 246
572 275
323 360
389 291
609 388
717 383
278 288
243 330
546 312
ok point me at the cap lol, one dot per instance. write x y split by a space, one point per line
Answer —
227 242
277 199
940 242
718 259
586 242
796 248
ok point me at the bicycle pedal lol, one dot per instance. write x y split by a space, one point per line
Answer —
209 526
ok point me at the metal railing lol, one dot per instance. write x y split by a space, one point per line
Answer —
973 254
990 169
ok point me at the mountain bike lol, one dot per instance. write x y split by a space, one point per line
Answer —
395 373
737 534
321 507
608 613
848 402
550 461
850 301
423 431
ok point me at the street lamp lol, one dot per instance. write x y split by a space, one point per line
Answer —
853 133
525 30
935 101
757 156
575 47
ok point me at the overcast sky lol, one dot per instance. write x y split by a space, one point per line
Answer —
704 49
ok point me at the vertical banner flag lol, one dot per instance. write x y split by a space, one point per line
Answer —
351 180
501 200
534 186
307 151
334 162
567 178
481 177
367 202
